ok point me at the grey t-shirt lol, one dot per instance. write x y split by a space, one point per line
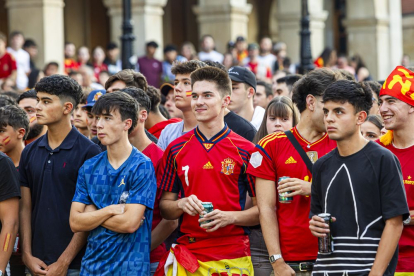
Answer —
170 133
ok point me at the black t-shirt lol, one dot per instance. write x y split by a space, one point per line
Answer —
9 180
361 191
51 176
240 125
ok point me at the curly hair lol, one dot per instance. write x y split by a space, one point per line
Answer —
154 95
187 67
6 100
130 77
127 107
15 117
62 86
314 83
140 96
349 91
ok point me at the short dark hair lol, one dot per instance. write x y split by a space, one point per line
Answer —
126 105
52 63
73 73
267 86
152 44
349 91
130 77
215 64
29 43
347 75
313 83
374 86
84 98
290 80
170 48
15 117
139 95
6 100
62 86
31 94
12 95
215 75
111 45
187 67
154 95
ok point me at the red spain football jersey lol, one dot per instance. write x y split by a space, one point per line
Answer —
275 157
406 243
215 171
7 65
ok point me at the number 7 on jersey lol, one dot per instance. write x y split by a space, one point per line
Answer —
185 169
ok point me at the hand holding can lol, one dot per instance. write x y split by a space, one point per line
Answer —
325 244
284 197
208 208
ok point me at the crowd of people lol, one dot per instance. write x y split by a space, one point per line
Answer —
204 163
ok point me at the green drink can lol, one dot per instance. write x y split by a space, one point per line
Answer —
208 208
284 197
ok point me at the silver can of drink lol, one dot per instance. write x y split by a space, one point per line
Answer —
208 208
325 244
284 197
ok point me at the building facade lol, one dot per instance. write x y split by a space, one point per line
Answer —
378 30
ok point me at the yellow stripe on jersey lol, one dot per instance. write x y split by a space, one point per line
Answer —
238 266
175 157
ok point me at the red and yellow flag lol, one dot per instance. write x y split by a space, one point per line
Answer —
217 257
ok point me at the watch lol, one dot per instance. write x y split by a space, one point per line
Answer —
274 258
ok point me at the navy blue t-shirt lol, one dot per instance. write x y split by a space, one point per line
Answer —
51 177
108 252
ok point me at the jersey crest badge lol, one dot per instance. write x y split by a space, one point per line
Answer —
227 166
207 146
191 240
122 182
313 156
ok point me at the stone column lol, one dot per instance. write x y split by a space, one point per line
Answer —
223 19
289 15
42 21
373 36
147 21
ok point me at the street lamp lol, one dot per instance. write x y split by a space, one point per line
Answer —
127 36
306 63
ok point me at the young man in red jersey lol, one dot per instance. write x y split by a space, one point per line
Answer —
397 110
291 246
208 164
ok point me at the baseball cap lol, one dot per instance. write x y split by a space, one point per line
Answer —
165 88
244 75
240 38
93 97
252 46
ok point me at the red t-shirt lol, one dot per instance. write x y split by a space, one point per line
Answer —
215 171
157 128
70 65
98 68
280 158
155 153
7 65
260 70
406 243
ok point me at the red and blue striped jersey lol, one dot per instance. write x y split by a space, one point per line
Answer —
212 169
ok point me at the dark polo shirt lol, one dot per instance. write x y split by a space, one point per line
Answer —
51 177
